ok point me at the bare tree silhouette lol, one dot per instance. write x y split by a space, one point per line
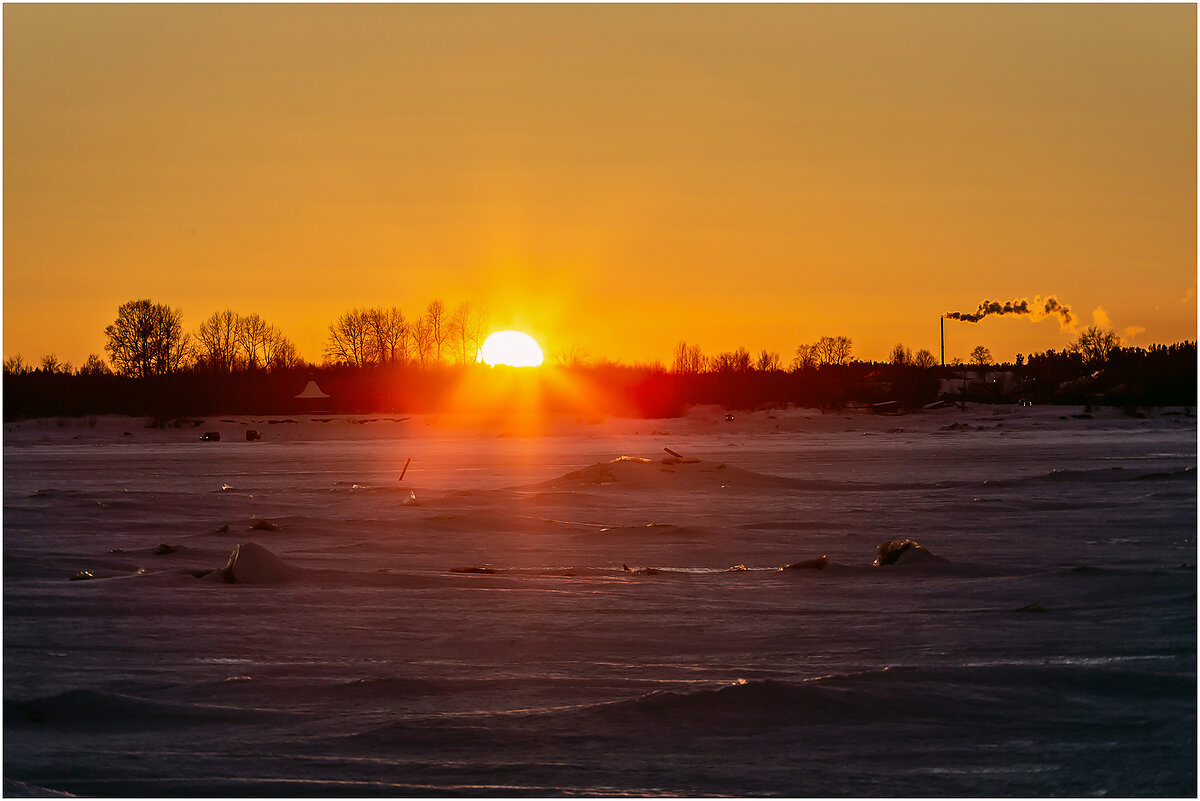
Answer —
399 336
346 343
285 356
901 356
386 331
679 363
833 350
256 338
805 358
216 341
94 366
466 333
439 329
147 339
1094 345
687 359
15 365
422 339
924 359
981 357
767 361
227 341
731 361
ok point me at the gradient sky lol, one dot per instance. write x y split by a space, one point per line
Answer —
615 178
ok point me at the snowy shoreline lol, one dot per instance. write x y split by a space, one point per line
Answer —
698 420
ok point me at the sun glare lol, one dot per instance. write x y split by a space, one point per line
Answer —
513 348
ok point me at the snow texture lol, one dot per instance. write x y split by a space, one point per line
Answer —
555 619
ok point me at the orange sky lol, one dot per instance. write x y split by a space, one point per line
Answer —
611 177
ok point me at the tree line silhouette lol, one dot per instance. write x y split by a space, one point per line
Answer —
376 359
148 339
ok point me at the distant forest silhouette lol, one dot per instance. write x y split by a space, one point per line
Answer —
376 360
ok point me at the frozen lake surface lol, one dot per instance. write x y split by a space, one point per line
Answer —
1046 646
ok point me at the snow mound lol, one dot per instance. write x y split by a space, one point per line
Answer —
251 563
901 551
16 789
633 472
818 563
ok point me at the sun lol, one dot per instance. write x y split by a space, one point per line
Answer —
513 348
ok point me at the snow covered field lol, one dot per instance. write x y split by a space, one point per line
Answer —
545 620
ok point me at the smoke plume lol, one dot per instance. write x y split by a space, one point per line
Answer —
1036 309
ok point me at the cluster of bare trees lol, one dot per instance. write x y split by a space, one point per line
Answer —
689 360
147 339
903 357
382 336
1092 346
50 363
229 341
825 351
368 336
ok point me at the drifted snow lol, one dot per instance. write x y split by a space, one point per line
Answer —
554 619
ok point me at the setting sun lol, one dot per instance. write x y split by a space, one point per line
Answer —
512 348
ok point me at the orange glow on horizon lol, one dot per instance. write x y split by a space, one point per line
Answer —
741 192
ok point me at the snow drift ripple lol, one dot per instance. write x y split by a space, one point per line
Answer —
1002 694
95 710
637 473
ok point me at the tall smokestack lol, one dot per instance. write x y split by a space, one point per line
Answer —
943 322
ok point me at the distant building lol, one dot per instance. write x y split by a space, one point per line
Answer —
999 383
311 390
312 399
